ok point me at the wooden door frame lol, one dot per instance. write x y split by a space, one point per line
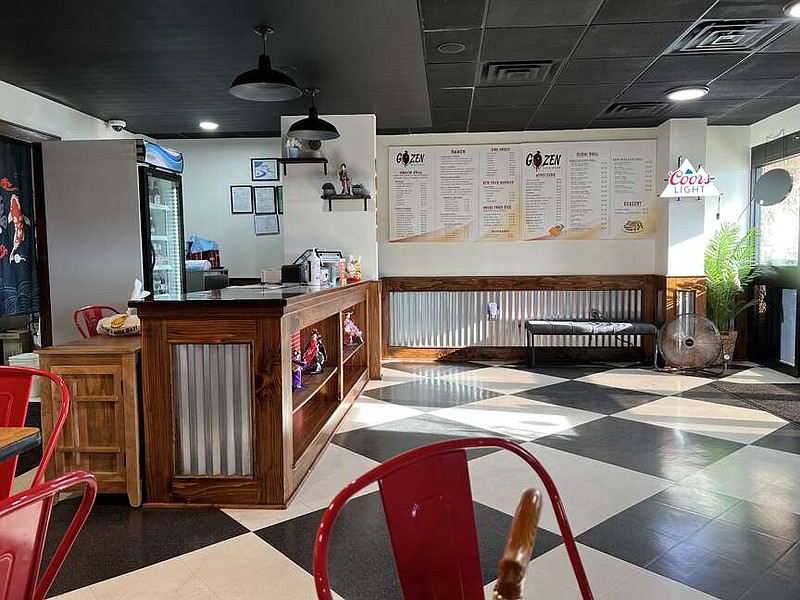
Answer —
34 139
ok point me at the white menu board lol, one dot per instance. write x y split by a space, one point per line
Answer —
570 190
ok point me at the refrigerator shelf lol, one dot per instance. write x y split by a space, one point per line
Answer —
159 238
162 268
163 207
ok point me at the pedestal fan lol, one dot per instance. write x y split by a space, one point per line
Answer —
690 342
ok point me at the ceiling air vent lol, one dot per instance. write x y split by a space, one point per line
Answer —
520 72
730 36
631 110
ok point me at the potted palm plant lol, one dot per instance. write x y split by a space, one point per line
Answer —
730 266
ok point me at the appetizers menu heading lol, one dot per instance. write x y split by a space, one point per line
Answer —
512 192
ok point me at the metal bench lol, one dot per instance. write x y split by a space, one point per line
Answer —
581 327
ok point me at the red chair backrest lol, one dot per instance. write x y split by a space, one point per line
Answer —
24 519
90 315
427 501
15 389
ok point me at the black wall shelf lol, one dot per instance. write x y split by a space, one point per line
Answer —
304 160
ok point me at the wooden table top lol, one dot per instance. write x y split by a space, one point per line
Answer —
16 440
99 344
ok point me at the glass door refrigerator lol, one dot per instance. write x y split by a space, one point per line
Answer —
162 221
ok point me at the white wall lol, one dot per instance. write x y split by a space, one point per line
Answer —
728 159
550 257
780 124
212 166
348 228
36 112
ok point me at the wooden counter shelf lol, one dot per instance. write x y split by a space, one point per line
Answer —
222 425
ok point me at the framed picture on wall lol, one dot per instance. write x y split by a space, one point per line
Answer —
264 169
241 199
266 224
264 202
279 197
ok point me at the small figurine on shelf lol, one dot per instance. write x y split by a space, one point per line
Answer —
298 364
314 354
345 179
354 269
352 334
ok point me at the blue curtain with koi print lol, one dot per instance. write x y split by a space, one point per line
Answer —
19 288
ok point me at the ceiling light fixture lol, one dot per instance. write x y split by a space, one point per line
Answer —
692 92
451 47
265 84
312 127
792 9
208 125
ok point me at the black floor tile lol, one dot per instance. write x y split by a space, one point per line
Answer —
741 544
766 519
382 442
118 539
703 502
428 395
31 459
433 369
566 371
659 451
664 519
588 396
787 439
361 563
789 564
711 393
628 541
774 587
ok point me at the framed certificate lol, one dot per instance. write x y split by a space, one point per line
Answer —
264 169
266 224
241 199
264 200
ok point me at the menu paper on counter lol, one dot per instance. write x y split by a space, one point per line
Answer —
569 190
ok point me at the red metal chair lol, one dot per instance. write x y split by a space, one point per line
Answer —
428 506
15 389
24 519
91 315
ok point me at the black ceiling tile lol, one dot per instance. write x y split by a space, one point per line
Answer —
569 112
469 38
527 43
703 108
451 75
453 127
630 40
635 11
614 123
788 42
646 92
760 108
491 126
447 115
726 90
766 66
521 95
790 89
394 131
450 97
747 10
579 94
541 125
690 67
526 13
602 70
451 14
514 117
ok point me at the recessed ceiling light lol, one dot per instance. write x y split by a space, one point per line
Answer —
692 92
208 125
792 9
451 47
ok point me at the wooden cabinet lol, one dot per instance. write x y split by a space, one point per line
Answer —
101 434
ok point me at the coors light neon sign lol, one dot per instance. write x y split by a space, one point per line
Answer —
686 181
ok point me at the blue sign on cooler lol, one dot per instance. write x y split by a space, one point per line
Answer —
166 158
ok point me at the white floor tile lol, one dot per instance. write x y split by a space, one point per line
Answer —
367 412
23 482
591 491
744 425
389 377
520 418
503 380
168 580
539 587
760 475
81 594
761 375
337 467
654 382
651 586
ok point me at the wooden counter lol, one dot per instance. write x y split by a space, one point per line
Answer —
222 425
101 434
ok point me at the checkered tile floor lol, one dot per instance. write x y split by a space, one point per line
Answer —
673 488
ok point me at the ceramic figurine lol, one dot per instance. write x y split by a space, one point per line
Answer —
345 179
298 364
314 354
352 334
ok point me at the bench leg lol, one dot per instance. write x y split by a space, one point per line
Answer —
532 351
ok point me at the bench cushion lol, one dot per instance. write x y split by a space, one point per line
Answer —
579 327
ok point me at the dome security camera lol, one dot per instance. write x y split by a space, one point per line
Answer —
117 124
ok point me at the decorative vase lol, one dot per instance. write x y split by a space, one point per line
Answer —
728 346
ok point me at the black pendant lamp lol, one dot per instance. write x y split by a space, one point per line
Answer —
265 84
312 127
